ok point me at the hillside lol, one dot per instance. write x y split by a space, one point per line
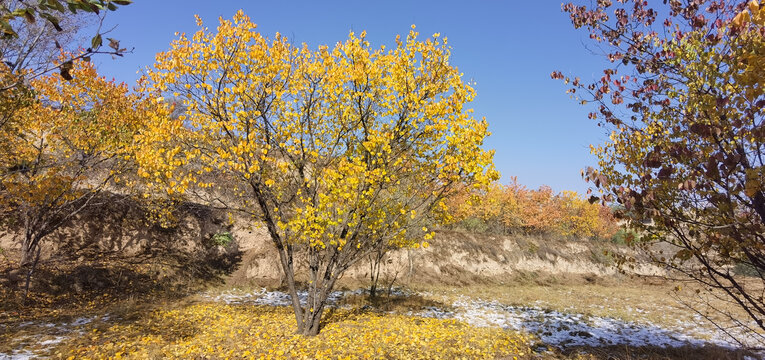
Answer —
119 228
110 262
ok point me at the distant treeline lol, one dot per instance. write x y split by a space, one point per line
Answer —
512 208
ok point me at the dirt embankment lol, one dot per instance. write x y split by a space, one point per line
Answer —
454 257
117 233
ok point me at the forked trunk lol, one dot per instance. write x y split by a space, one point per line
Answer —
308 315
312 320
318 293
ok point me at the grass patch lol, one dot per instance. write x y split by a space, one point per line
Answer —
642 301
625 237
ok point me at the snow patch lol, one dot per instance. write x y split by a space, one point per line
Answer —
59 333
561 329
18 355
554 328
269 298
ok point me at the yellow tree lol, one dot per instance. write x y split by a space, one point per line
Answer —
490 209
685 102
33 35
579 216
336 151
583 219
68 146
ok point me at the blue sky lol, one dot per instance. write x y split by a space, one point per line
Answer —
509 48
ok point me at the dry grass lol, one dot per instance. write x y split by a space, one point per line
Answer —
628 299
649 353
131 292
392 303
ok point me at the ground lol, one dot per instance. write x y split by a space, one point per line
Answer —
175 305
125 310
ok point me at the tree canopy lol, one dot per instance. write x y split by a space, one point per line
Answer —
685 103
65 147
335 150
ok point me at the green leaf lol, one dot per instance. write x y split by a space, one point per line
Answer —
57 5
7 29
18 13
53 20
96 41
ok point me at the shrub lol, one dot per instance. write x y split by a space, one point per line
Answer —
222 239
625 236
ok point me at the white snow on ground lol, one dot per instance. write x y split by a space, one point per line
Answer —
279 298
553 328
18 355
270 298
562 329
32 348
24 354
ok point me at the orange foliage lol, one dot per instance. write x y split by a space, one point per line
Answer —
513 208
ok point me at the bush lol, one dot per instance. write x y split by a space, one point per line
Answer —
222 239
512 208
625 236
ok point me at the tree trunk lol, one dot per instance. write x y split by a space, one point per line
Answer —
411 264
286 259
309 318
374 274
312 320
308 315
392 281
317 301
30 256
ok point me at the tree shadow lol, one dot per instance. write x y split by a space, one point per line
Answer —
362 303
706 352
112 249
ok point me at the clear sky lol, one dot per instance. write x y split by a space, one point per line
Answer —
509 48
